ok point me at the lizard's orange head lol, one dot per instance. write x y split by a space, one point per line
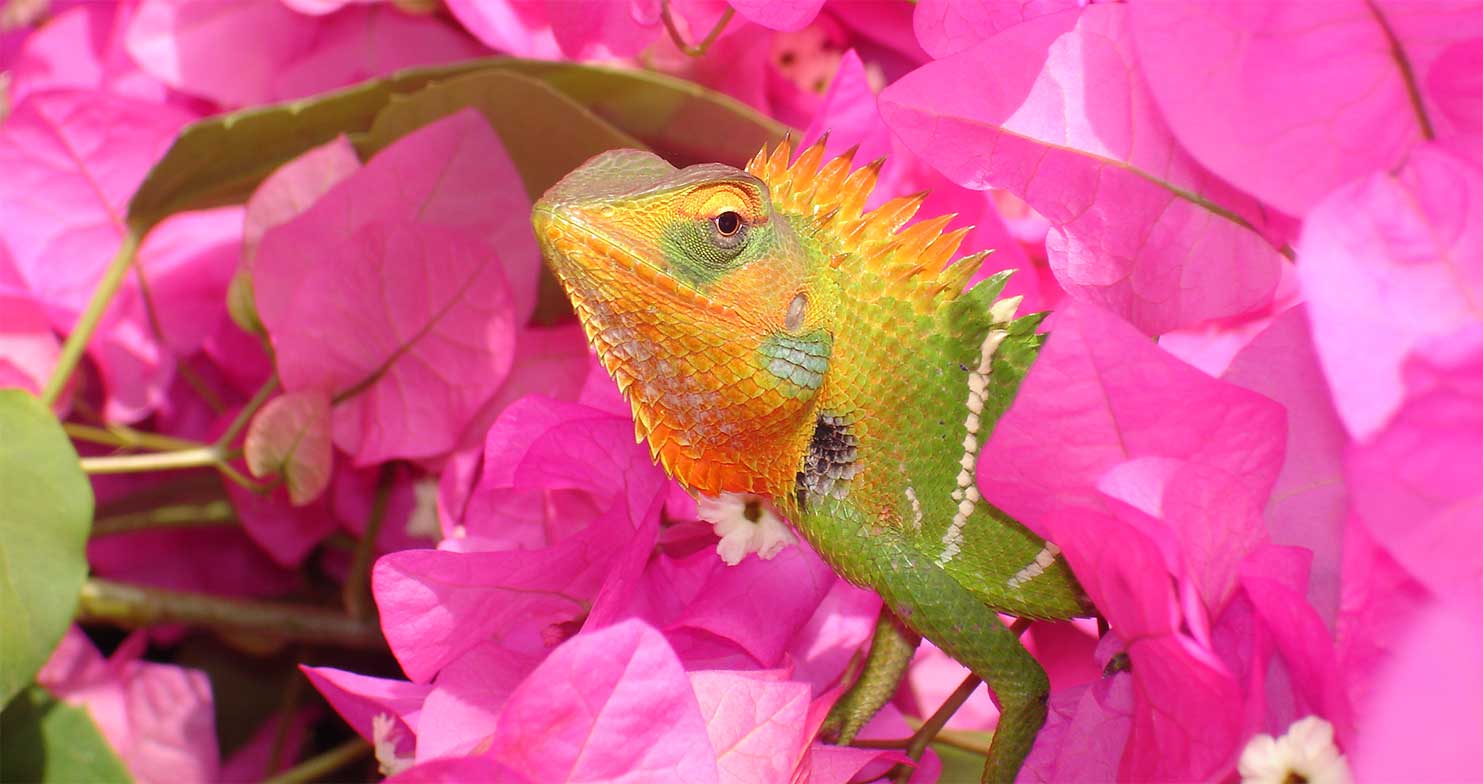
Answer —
702 303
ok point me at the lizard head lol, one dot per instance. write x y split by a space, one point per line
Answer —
704 304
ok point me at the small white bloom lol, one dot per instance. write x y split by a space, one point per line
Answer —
746 524
1305 754
384 736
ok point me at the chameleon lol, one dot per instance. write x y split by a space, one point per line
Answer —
774 338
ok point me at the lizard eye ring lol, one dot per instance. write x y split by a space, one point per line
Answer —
728 230
728 223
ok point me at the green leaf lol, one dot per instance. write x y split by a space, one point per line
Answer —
221 160
45 740
546 133
682 121
46 511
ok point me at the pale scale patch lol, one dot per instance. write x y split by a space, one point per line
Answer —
1037 567
966 492
916 507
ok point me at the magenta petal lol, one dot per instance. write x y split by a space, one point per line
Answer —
755 723
1184 727
284 531
609 705
515 27
1084 734
28 346
1066 125
465 701
1388 261
460 770
1250 88
82 48
1309 503
1100 394
1415 484
78 154
761 605
418 344
946 27
593 28
350 47
779 14
227 51
436 605
293 188
830 764
843 622
1422 723
359 699
157 717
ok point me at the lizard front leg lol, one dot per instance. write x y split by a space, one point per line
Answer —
931 603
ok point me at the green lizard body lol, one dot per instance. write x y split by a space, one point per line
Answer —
775 339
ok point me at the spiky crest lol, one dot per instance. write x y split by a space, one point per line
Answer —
914 263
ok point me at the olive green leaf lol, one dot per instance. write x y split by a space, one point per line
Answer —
46 511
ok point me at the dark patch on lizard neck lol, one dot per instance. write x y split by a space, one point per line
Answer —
831 462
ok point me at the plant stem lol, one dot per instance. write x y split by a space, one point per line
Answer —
200 457
258 399
134 606
291 697
357 591
87 323
128 438
318 768
211 513
939 719
674 32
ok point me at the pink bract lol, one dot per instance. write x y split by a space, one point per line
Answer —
946 27
409 318
157 717
612 705
1068 126
1389 261
241 52
1292 100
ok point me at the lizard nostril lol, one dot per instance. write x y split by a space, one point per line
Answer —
796 308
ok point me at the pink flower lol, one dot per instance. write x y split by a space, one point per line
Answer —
1068 125
157 717
352 323
1246 90
242 52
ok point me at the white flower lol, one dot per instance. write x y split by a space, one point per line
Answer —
746 524
384 736
1305 754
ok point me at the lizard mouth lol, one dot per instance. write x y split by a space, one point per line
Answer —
591 260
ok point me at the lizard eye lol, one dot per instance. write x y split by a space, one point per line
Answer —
728 230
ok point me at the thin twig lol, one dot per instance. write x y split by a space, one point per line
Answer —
125 437
318 768
674 31
240 421
209 514
134 607
201 457
357 590
286 710
87 323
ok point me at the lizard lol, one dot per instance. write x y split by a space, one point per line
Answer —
774 338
